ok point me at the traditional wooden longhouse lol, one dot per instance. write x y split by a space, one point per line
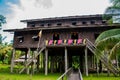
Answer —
61 40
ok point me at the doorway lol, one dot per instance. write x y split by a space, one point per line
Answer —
56 36
74 35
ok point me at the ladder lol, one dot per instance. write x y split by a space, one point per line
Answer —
108 64
37 52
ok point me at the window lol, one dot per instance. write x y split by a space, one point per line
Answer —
20 39
74 35
74 23
59 24
56 36
92 22
42 25
32 25
49 24
104 21
35 38
84 22
96 35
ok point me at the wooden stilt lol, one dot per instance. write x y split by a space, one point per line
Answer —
46 61
117 62
12 60
34 62
97 67
32 66
25 61
52 64
28 60
38 62
94 62
86 62
66 60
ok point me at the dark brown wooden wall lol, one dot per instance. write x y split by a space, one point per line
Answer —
48 35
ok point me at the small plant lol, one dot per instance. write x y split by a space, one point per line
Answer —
75 65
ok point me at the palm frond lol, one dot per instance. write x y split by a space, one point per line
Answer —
108 42
114 51
106 34
116 2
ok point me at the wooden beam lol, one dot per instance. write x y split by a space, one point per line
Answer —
46 61
86 61
12 60
66 59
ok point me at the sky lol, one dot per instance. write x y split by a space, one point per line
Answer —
16 10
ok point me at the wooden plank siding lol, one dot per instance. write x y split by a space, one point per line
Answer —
48 35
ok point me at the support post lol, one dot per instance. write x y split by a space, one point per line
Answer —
12 60
38 62
46 61
66 60
117 62
34 61
97 67
28 60
94 61
25 61
86 62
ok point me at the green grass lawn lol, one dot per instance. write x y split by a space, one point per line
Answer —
6 75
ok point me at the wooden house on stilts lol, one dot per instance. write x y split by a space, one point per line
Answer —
63 41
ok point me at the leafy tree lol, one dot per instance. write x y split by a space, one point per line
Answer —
2 20
4 48
5 52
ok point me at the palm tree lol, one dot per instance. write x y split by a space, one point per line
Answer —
108 43
114 11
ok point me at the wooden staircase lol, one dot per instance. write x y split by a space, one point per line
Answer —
31 60
36 53
108 64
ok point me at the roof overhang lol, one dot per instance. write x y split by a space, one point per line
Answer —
59 28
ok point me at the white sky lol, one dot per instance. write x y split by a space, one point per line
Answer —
32 9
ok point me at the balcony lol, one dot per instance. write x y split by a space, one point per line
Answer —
65 42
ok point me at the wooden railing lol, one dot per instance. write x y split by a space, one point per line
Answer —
64 42
102 57
65 74
80 74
